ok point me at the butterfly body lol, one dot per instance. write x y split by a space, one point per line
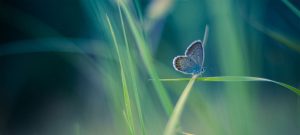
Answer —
192 61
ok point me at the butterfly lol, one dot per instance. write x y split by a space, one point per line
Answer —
193 60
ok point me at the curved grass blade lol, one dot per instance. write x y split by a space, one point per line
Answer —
128 113
170 128
133 74
237 79
147 59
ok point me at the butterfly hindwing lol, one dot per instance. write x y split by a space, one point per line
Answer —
186 65
195 52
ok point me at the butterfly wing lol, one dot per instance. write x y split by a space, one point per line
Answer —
196 52
186 65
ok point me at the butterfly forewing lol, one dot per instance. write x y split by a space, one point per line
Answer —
195 52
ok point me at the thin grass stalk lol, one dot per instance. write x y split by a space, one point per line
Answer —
133 75
171 125
124 82
170 128
147 59
237 79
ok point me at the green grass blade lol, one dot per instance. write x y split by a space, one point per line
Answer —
170 128
127 121
147 59
133 75
124 82
237 79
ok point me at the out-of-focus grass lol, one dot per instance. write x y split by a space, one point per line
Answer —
279 37
132 70
128 110
148 104
144 51
140 106
25 22
133 88
230 46
291 7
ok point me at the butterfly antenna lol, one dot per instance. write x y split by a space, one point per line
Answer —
205 35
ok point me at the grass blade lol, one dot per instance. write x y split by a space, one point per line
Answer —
237 79
147 59
124 83
170 128
133 75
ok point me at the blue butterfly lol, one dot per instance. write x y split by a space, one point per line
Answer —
192 61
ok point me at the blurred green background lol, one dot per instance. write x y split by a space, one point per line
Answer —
91 67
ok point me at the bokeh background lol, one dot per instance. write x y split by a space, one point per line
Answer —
60 68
